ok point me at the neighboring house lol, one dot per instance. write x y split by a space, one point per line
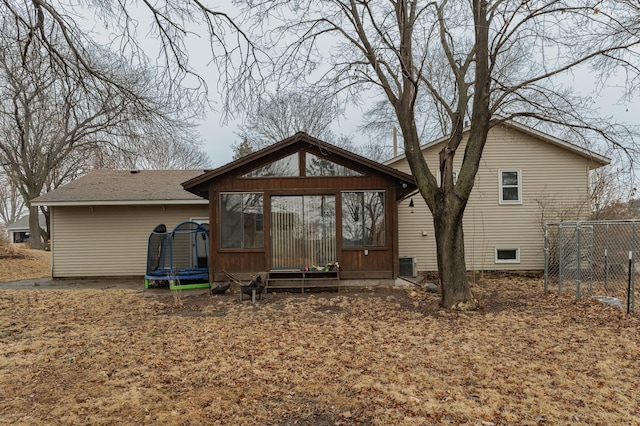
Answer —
101 222
19 231
525 178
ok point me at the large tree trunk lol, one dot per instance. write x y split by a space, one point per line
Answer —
34 228
452 270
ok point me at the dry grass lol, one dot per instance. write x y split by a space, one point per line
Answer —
377 357
20 263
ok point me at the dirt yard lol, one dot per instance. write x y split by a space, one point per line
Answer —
376 356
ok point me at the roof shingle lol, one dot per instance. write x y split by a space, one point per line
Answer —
124 187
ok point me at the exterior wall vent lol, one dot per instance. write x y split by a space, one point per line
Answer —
407 267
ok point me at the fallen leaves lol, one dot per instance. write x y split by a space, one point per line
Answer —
354 357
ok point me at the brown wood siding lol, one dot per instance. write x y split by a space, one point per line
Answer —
301 185
240 261
379 264
366 275
377 259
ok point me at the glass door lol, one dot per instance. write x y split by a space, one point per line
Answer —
303 231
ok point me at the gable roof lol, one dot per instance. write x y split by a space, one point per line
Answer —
23 223
598 160
124 187
198 185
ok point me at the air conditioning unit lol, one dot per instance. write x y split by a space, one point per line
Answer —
407 266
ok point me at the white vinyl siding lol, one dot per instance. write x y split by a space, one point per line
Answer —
105 241
489 224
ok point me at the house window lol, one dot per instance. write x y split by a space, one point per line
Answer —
510 183
241 221
319 166
284 167
363 219
303 230
507 255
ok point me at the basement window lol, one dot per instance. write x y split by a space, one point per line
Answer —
507 255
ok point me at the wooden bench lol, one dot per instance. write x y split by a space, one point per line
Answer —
293 279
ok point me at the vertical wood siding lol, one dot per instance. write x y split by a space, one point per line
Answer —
109 240
297 243
551 176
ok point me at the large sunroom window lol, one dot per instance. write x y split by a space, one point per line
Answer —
363 215
241 220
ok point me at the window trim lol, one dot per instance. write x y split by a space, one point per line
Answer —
501 200
200 220
516 260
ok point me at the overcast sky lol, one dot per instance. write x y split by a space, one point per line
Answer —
218 137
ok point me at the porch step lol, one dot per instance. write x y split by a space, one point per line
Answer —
293 279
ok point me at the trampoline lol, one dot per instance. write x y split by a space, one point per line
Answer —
179 258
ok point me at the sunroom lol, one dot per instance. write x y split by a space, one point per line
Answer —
302 209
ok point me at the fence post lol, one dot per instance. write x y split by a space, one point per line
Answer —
629 282
578 260
546 258
632 293
606 269
591 255
606 258
560 258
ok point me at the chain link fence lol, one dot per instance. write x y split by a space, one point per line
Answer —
593 259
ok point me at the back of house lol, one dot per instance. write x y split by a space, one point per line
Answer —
526 178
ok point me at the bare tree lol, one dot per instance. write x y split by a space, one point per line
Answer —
626 18
241 149
273 117
11 203
612 191
53 124
178 147
479 61
378 149
276 116
553 209
61 30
